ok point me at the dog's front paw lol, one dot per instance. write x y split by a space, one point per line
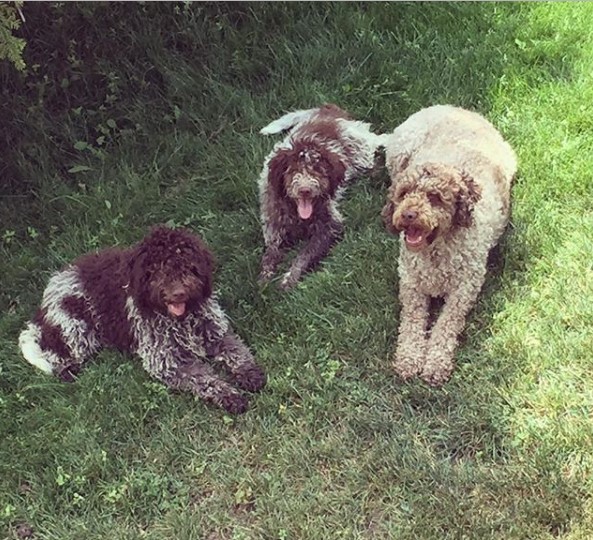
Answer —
437 369
234 403
409 359
251 378
265 276
406 367
289 280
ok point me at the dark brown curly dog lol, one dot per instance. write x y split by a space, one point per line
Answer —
155 300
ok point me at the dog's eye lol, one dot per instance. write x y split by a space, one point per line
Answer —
435 199
402 194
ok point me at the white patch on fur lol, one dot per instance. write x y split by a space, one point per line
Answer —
286 277
363 144
333 208
80 339
159 339
29 345
288 121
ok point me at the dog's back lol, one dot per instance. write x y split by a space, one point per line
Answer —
326 113
458 137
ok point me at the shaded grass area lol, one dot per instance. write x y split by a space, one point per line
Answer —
135 114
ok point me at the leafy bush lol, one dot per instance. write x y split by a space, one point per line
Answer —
11 47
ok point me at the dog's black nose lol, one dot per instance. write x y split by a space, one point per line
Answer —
409 215
178 295
305 193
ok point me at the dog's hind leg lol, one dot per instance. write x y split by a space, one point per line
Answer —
55 349
288 121
62 336
43 347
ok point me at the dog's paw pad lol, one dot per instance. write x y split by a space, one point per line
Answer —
406 368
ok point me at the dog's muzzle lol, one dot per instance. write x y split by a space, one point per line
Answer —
304 189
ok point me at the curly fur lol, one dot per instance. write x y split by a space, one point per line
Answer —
302 181
451 177
154 300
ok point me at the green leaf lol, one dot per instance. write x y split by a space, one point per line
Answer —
111 123
81 145
79 168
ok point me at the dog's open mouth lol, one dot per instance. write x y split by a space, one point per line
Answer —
177 309
416 238
305 207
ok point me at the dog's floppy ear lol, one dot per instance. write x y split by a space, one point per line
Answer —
397 163
335 173
388 209
140 265
469 194
203 262
277 168
137 271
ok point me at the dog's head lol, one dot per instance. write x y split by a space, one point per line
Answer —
306 173
171 272
429 201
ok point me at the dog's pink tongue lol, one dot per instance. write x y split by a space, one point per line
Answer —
305 208
176 309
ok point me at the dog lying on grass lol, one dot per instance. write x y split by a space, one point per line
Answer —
154 300
302 181
451 176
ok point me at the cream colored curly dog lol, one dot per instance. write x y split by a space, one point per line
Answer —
451 175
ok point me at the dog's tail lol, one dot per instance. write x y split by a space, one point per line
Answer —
288 121
29 345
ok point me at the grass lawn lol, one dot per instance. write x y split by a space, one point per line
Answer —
136 114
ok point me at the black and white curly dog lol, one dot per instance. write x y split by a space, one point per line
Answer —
154 300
